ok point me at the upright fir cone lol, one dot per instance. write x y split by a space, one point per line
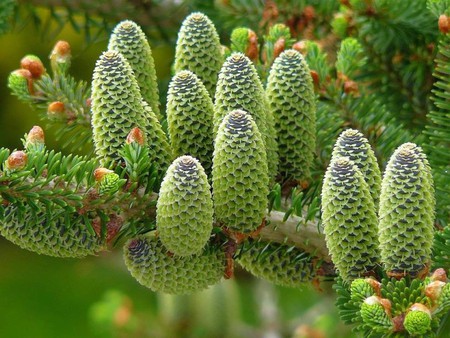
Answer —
51 235
190 112
290 93
239 87
152 265
184 211
129 39
406 213
349 219
198 49
116 105
278 263
239 174
352 144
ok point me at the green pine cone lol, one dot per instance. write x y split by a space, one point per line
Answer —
116 105
190 112
184 211
198 49
277 263
352 144
349 219
239 87
159 149
52 237
129 39
374 316
406 212
417 321
239 173
154 267
290 92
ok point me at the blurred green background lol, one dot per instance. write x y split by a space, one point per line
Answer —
96 297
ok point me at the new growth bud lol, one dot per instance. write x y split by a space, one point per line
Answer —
20 82
17 160
417 320
108 181
35 139
444 24
34 65
56 110
136 136
60 57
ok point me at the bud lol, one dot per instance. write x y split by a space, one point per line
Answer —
433 290
351 88
375 315
135 135
361 289
444 24
439 275
100 173
417 320
309 13
109 182
315 78
34 65
20 82
17 160
300 46
35 137
60 57
279 47
56 110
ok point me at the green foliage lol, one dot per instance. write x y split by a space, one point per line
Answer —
279 264
406 212
239 173
184 217
198 49
6 13
129 39
290 93
350 58
349 218
152 265
190 113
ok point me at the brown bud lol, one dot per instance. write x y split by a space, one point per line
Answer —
386 303
34 65
346 3
17 160
61 50
444 24
420 307
309 13
135 135
434 289
279 47
36 136
315 77
99 173
300 46
252 47
351 87
376 285
56 109
439 274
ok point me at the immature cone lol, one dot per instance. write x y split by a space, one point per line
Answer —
349 219
278 264
49 235
190 114
406 212
239 174
239 87
116 105
198 49
417 320
129 39
290 93
184 211
154 267
353 145
159 149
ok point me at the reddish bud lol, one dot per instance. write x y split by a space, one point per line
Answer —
444 23
279 47
60 56
34 65
440 275
56 109
252 47
346 3
135 135
315 77
434 289
309 13
36 136
351 87
300 46
99 173
19 75
17 160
